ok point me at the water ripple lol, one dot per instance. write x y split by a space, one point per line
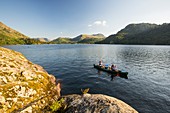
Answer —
147 88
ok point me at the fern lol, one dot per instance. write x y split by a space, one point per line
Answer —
58 105
85 91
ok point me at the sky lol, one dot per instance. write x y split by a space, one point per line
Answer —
70 18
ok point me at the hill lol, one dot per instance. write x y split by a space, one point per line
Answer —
83 38
143 33
9 32
42 39
9 36
62 40
89 39
157 36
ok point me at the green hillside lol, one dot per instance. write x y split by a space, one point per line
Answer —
158 36
84 38
6 40
9 36
62 40
42 39
90 40
9 32
143 33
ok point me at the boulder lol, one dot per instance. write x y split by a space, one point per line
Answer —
24 86
96 103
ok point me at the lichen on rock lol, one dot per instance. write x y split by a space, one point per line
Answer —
96 103
24 85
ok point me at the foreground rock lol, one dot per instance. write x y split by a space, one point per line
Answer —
96 103
24 86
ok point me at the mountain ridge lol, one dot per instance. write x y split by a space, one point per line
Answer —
62 40
42 39
83 38
142 33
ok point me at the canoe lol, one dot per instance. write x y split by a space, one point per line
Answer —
114 72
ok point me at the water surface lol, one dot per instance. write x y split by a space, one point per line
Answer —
147 88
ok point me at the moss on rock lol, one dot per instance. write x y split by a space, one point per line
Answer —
24 86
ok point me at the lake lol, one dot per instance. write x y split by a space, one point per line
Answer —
147 88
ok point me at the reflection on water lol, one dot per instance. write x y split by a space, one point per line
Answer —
147 88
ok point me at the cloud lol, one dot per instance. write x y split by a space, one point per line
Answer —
104 23
89 25
98 23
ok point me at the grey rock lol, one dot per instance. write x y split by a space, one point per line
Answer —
96 103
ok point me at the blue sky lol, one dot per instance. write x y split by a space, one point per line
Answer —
69 18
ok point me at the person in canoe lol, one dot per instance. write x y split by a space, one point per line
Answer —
100 63
114 68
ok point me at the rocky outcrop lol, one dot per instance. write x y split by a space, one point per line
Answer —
24 86
96 103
